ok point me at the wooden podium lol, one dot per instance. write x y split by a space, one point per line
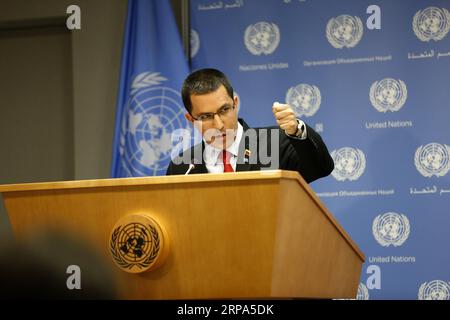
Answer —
240 235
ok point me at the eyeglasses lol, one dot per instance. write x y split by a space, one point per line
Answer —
209 117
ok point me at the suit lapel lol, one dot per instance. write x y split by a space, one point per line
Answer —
243 167
197 159
199 168
243 156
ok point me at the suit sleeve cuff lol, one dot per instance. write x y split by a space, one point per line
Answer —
300 135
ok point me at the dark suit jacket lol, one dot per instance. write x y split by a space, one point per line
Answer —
309 157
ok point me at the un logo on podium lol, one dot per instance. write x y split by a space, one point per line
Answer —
305 99
349 164
344 31
431 24
432 160
154 112
138 244
262 38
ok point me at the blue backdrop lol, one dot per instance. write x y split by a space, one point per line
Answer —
374 82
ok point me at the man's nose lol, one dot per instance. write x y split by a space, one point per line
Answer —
218 123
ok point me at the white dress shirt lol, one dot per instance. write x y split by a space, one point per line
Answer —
212 156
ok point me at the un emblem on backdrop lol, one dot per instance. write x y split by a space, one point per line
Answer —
363 292
153 113
195 43
305 99
434 290
391 229
344 31
431 24
262 38
349 163
432 160
388 94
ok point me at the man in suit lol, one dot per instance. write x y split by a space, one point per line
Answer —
229 145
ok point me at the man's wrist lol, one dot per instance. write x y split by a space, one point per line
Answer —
299 129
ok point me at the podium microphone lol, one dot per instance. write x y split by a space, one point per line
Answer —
191 166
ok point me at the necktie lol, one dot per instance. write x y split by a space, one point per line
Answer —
227 167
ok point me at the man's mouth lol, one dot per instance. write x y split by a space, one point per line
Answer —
220 136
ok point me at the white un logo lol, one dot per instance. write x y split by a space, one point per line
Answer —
431 24
349 163
344 31
363 292
153 113
388 95
434 290
432 160
391 229
305 99
195 43
262 38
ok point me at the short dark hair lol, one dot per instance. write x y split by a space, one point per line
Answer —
204 81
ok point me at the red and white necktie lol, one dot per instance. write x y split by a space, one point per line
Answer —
227 167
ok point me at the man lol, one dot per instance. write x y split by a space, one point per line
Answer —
229 145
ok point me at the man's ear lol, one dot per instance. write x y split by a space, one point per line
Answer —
236 103
189 117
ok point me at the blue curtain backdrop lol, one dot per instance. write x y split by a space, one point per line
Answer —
149 106
379 98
